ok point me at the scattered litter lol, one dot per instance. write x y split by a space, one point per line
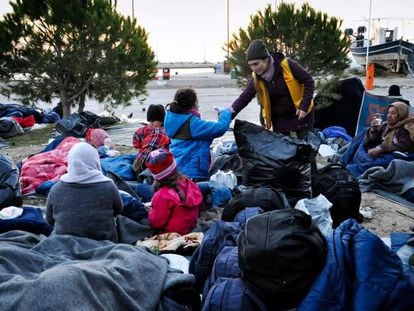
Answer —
326 150
366 211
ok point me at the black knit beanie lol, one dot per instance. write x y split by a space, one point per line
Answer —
257 50
394 90
155 113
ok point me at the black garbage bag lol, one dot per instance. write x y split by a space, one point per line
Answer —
276 160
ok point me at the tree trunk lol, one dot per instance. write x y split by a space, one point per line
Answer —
65 104
81 106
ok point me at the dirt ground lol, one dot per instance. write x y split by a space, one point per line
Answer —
387 216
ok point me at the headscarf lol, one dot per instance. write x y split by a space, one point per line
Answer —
84 166
404 119
96 137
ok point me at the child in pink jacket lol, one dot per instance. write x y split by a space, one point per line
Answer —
176 199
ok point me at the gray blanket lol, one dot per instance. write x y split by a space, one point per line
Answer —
72 273
396 178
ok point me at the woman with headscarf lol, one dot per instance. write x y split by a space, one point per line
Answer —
377 147
396 134
84 202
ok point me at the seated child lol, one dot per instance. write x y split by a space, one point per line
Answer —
150 137
84 202
176 199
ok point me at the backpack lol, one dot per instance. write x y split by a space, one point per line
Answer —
226 265
268 199
247 213
280 255
229 294
219 235
341 188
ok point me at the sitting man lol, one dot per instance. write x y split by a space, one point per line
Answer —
380 140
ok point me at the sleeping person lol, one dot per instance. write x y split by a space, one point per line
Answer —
376 146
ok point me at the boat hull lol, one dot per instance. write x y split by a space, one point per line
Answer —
386 55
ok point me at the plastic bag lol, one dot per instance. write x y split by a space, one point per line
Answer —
221 147
223 179
318 209
276 160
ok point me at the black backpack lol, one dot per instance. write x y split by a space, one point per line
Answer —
219 235
280 255
341 188
268 199
232 294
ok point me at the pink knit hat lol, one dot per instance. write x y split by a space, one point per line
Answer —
161 163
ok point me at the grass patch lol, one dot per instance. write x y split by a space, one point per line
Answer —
32 137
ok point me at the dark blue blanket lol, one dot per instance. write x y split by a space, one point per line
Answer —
31 221
357 160
120 165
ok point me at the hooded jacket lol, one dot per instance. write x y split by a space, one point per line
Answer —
361 273
193 153
169 214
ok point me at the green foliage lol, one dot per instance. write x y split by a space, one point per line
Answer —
71 50
312 38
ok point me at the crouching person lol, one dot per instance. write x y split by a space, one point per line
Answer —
174 206
84 202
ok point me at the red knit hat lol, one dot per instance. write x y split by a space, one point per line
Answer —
161 163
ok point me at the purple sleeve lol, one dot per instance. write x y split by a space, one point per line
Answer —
306 79
245 98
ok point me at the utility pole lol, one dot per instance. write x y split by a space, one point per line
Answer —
228 29
132 3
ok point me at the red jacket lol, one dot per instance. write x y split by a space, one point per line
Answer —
169 214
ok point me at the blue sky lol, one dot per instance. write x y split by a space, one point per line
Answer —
196 30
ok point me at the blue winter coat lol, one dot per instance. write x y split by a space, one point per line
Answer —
361 273
193 155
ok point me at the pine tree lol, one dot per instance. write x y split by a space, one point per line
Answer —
73 50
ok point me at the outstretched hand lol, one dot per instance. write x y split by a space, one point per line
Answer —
220 109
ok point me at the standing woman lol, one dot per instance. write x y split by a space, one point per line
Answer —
190 135
84 202
284 88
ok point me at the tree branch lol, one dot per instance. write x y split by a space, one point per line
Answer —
83 89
